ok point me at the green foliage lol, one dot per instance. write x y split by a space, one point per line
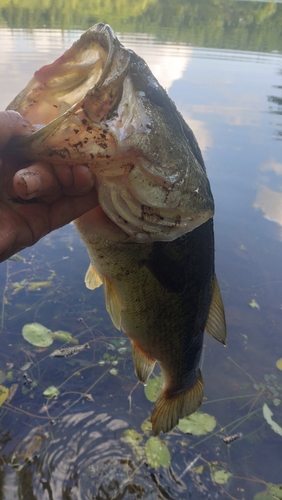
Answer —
133 439
37 335
197 424
154 450
51 392
4 392
146 427
205 23
65 337
157 453
272 386
279 364
220 476
40 336
153 388
253 303
272 492
268 414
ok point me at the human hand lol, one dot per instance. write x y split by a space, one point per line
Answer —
37 198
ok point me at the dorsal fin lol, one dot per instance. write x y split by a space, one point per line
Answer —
112 303
92 278
216 325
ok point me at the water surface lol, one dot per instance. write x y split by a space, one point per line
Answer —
222 66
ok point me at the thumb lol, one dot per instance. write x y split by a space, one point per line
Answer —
12 123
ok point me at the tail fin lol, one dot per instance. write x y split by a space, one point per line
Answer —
169 409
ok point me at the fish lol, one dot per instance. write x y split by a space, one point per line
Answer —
230 439
64 352
150 238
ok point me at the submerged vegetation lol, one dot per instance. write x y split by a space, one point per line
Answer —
217 23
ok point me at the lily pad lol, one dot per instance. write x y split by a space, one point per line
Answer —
37 334
51 392
4 392
133 439
197 424
153 388
272 492
279 364
221 476
65 337
157 453
146 427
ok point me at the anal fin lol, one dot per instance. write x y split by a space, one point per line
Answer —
216 324
143 364
112 303
92 278
170 408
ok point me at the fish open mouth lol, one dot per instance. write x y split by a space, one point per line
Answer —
99 104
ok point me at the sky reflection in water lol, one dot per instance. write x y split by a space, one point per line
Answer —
225 97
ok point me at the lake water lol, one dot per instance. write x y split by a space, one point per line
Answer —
221 62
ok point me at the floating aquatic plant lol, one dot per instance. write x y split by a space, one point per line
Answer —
197 424
37 335
279 364
153 388
220 476
4 392
134 439
157 453
51 392
64 337
253 303
267 413
272 492
41 336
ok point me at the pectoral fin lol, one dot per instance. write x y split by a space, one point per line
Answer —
112 303
143 364
216 324
92 278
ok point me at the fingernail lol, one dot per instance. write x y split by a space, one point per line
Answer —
32 182
91 178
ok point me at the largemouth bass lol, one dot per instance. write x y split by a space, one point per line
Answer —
150 240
